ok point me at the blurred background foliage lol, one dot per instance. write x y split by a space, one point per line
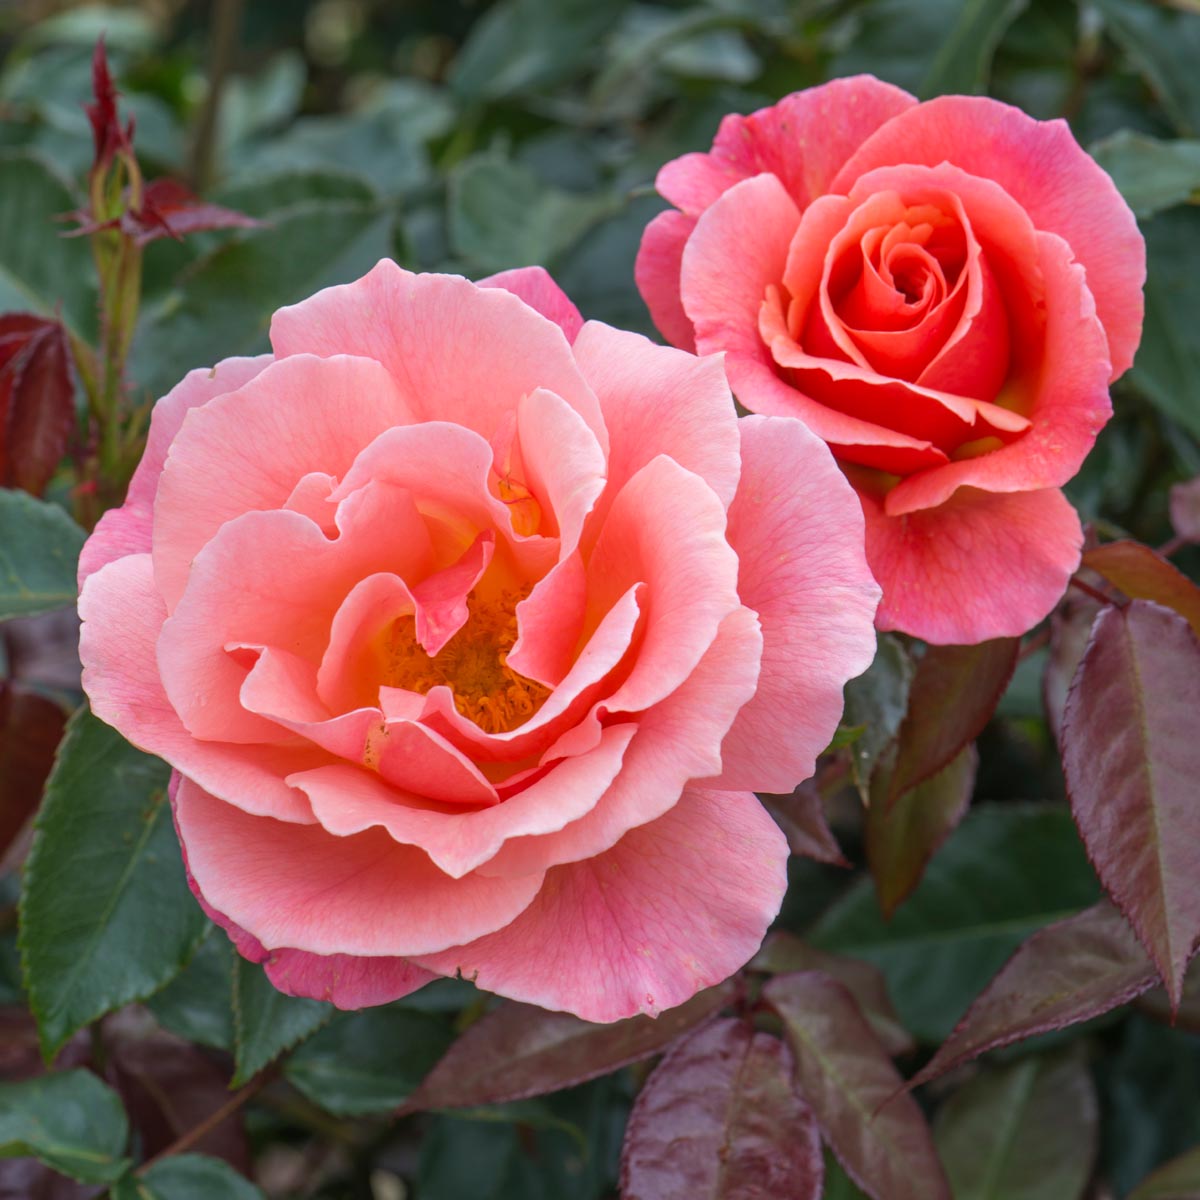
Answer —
473 137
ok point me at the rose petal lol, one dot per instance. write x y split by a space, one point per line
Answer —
656 272
343 980
537 288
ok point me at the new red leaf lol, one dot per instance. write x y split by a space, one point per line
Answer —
1068 972
37 400
954 693
720 1120
801 816
517 1051
876 1129
902 838
170 210
1142 574
1070 627
30 729
1132 759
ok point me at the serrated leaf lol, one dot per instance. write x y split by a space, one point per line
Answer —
1143 574
902 838
719 1120
266 1022
187 1177
517 1050
69 1120
1068 972
1150 173
876 1129
106 915
39 553
1177 1180
877 700
1027 1131
1131 759
1070 627
955 690
198 1003
1003 874
370 1061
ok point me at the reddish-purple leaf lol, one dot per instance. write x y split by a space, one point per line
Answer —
517 1051
1185 509
1131 756
107 135
783 954
876 1129
1177 1180
37 400
170 210
1143 574
1156 1004
954 693
902 838
802 818
30 729
720 1120
1067 972
1070 627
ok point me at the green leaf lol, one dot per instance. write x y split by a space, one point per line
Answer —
502 215
39 268
198 1003
370 1061
106 915
187 1177
1027 1131
70 1120
963 60
266 1022
39 554
1004 873
1177 1180
1151 174
877 700
321 228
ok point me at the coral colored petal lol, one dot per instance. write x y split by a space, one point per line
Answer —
795 527
657 400
656 272
803 140
441 599
122 616
1047 173
347 802
300 887
421 762
311 414
127 530
418 325
550 622
983 565
645 926
677 740
537 288
345 981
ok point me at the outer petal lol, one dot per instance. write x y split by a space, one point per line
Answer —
1043 167
122 616
795 526
537 288
656 271
803 140
983 565
675 906
300 887
126 530
500 348
345 981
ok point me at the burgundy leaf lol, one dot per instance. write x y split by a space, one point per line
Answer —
1177 1180
170 210
719 1120
954 693
876 1129
1185 509
783 954
1143 574
1067 972
517 1051
802 818
1132 758
108 137
37 400
1156 1003
901 839
1070 627
30 729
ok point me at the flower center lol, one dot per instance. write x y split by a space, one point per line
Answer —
473 664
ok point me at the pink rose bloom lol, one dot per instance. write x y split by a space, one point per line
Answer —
943 293
468 629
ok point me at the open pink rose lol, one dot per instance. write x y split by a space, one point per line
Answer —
468 628
940 291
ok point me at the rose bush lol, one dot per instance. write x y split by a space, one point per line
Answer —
468 628
942 292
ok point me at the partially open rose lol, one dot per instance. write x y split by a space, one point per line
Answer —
467 628
942 292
